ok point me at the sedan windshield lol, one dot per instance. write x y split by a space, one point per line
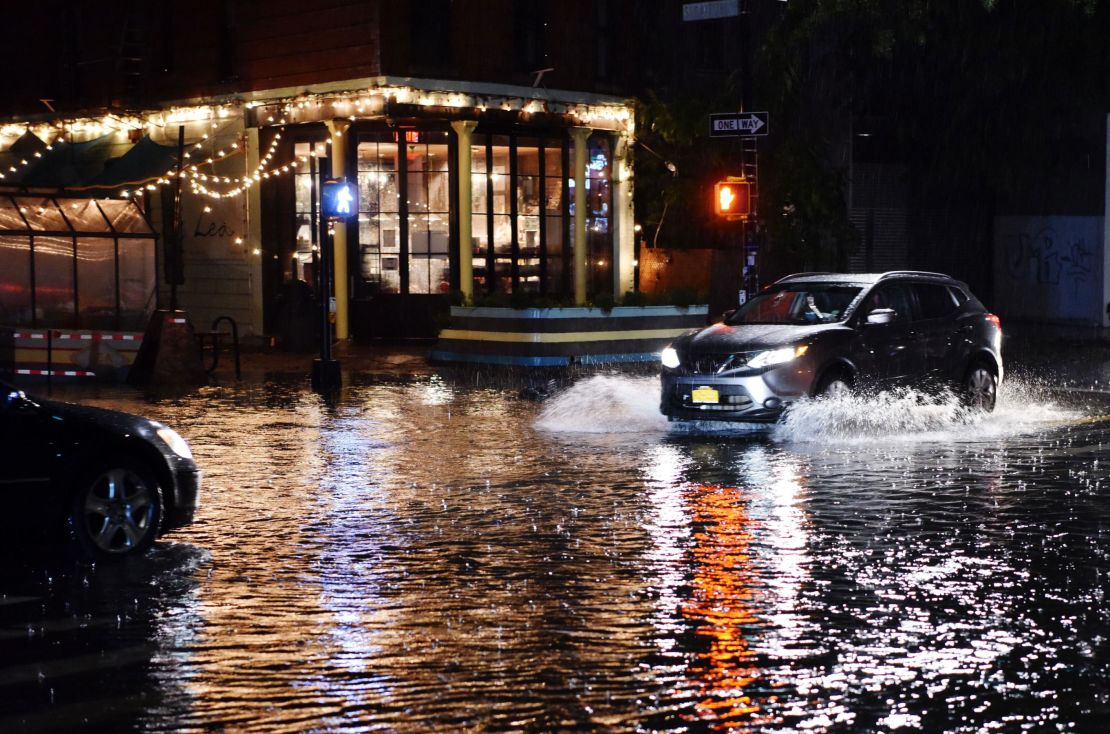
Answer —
797 303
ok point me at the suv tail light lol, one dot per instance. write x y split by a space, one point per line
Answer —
995 320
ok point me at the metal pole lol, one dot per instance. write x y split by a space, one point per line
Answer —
178 254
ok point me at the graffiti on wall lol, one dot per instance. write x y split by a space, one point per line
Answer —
1049 267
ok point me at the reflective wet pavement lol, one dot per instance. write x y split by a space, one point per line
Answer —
437 554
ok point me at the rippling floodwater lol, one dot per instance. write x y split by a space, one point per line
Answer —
428 555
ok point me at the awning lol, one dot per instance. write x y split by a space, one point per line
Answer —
67 164
146 162
93 168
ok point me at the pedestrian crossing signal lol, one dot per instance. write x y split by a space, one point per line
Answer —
339 199
732 199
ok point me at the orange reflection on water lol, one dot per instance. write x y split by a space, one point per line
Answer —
721 603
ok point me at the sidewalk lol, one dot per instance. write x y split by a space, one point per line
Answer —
393 360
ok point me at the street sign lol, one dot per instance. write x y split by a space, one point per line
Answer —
711 10
738 124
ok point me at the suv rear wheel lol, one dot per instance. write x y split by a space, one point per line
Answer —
980 388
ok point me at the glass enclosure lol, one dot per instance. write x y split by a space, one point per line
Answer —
75 263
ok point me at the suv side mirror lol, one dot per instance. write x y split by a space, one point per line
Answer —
882 316
731 312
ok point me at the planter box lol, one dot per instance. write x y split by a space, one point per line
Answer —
556 337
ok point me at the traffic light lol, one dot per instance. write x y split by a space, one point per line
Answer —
732 198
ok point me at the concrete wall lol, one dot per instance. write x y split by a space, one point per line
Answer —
1050 269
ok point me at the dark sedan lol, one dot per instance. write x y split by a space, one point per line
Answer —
109 482
821 333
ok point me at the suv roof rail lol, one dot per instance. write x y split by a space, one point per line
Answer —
803 275
915 272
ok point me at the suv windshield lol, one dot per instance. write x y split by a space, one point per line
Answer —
797 303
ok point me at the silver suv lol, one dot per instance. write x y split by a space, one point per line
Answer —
815 334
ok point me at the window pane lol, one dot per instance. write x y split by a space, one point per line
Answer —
555 255
439 192
478 154
379 202
84 215
439 157
54 282
553 162
124 216
502 247
136 283
527 157
15 281
43 214
96 282
599 203
10 218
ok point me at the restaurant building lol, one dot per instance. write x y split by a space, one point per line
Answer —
476 174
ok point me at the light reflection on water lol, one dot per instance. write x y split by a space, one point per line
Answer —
426 555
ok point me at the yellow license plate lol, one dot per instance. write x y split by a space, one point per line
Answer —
704 395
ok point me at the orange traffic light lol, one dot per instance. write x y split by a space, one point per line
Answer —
732 199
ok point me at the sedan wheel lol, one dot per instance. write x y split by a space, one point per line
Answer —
117 512
980 389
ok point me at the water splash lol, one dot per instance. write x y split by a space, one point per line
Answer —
910 415
605 404
625 404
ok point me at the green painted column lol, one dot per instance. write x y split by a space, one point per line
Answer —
464 129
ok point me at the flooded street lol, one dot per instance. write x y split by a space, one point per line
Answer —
429 554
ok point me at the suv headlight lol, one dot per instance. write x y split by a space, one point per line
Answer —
773 357
669 358
173 439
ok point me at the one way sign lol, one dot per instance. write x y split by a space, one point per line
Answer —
737 124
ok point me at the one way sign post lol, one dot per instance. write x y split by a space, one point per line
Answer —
738 124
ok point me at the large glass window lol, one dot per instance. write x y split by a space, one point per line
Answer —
76 260
480 197
500 185
379 224
306 248
96 282
15 280
599 203
428 196
54 295
528 198
517 204
554 223
136 282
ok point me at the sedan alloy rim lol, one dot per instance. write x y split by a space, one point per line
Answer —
118 510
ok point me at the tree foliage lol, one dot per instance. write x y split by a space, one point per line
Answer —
972 97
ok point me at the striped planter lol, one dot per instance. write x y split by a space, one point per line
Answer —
556 337
66 353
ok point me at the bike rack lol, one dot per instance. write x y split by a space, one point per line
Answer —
215 335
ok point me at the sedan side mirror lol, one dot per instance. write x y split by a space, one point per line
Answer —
882 316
